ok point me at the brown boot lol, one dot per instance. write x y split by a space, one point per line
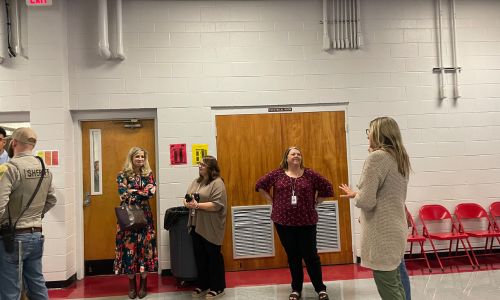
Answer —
143 288
132 288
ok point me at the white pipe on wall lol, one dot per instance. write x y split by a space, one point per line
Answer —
3 34
456 92
17 22
440 50
120 54
334 25
102 22
358 24
336 11
351 22
326 38
346 35
341 24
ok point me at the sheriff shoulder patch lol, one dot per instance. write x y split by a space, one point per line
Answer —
3 169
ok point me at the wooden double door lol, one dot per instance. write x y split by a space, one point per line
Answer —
249 146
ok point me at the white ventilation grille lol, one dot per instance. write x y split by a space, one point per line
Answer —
253 234
328 235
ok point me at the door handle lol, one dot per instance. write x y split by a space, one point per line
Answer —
86 200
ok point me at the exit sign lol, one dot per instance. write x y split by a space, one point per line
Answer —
38 2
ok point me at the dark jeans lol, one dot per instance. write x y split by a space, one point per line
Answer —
300 243
210 264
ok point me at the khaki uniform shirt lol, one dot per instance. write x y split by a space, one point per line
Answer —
18 180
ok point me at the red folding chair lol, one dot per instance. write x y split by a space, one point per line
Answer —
439 214
476 216
414 237
495 214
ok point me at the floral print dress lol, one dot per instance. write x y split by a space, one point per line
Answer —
136 251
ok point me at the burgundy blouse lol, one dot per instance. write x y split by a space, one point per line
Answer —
304 212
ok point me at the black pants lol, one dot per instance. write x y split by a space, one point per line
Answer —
210 264
300 243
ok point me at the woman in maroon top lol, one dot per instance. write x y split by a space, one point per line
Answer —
296 193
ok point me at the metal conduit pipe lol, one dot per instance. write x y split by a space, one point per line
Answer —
120 54
346 35
341 24
351 23
3 33
17 22
358 24
326 38
102 22
440 50
456 92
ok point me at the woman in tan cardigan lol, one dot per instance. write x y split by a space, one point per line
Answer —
207 199
381 197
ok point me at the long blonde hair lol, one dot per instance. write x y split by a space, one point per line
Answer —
385 135
128 166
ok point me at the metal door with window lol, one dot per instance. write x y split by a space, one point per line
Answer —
105 145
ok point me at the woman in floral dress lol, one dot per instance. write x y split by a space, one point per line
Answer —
136 250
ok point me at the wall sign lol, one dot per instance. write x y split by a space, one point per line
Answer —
199 150
178 154
38 2
50 157
278 109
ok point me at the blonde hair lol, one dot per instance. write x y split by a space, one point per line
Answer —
284 160
385 135
128 166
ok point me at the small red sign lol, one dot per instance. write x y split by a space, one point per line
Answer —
38 2
178 154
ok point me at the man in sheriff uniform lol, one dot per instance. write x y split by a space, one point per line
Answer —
18 181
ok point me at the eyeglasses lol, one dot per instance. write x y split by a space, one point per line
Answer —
202 164
367 131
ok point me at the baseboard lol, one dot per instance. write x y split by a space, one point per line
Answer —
166 272
61 283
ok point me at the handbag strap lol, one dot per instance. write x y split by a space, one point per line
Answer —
32 196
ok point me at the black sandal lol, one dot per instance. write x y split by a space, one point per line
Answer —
197 293
214 295
294 296
323 296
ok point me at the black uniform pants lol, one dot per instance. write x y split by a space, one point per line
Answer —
300 243
210 264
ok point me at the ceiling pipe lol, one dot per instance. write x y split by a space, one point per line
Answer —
3 33
17 22
359 42
102 23
440 50
456 91
120 54
326 38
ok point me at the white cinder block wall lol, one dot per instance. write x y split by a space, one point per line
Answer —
184 57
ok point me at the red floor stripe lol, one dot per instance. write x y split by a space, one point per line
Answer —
112 285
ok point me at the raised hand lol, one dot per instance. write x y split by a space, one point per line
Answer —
347 190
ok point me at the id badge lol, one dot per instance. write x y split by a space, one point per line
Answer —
294 200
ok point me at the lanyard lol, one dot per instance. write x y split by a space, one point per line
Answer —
293 199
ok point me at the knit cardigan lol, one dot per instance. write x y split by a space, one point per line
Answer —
381 198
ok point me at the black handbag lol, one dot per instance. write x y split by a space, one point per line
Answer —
130 217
